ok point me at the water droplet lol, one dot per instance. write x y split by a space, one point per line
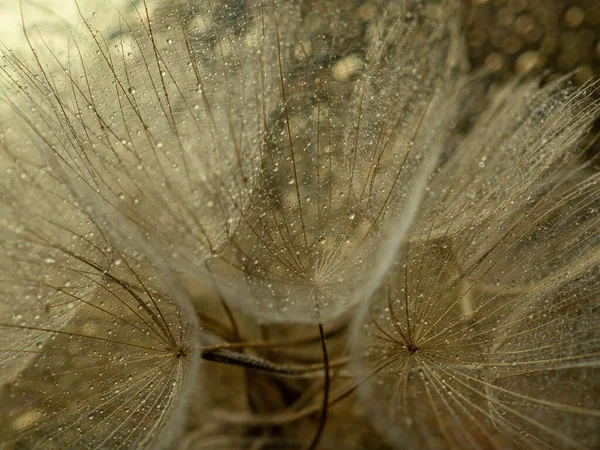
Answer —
131 90
210 204
49 260
351 215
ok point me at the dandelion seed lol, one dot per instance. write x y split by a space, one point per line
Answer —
180 155
358 153
486 330
76 317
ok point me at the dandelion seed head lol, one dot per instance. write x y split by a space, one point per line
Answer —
484 330
338 168
77 316
128 124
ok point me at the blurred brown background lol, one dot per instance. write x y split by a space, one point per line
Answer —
537 37
516 36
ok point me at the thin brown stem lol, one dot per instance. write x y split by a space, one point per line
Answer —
323 419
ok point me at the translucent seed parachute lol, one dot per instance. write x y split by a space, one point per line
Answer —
95 349
486 332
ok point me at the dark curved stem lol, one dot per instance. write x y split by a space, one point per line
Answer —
323 419
255 362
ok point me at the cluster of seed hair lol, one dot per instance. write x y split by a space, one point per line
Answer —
303 163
